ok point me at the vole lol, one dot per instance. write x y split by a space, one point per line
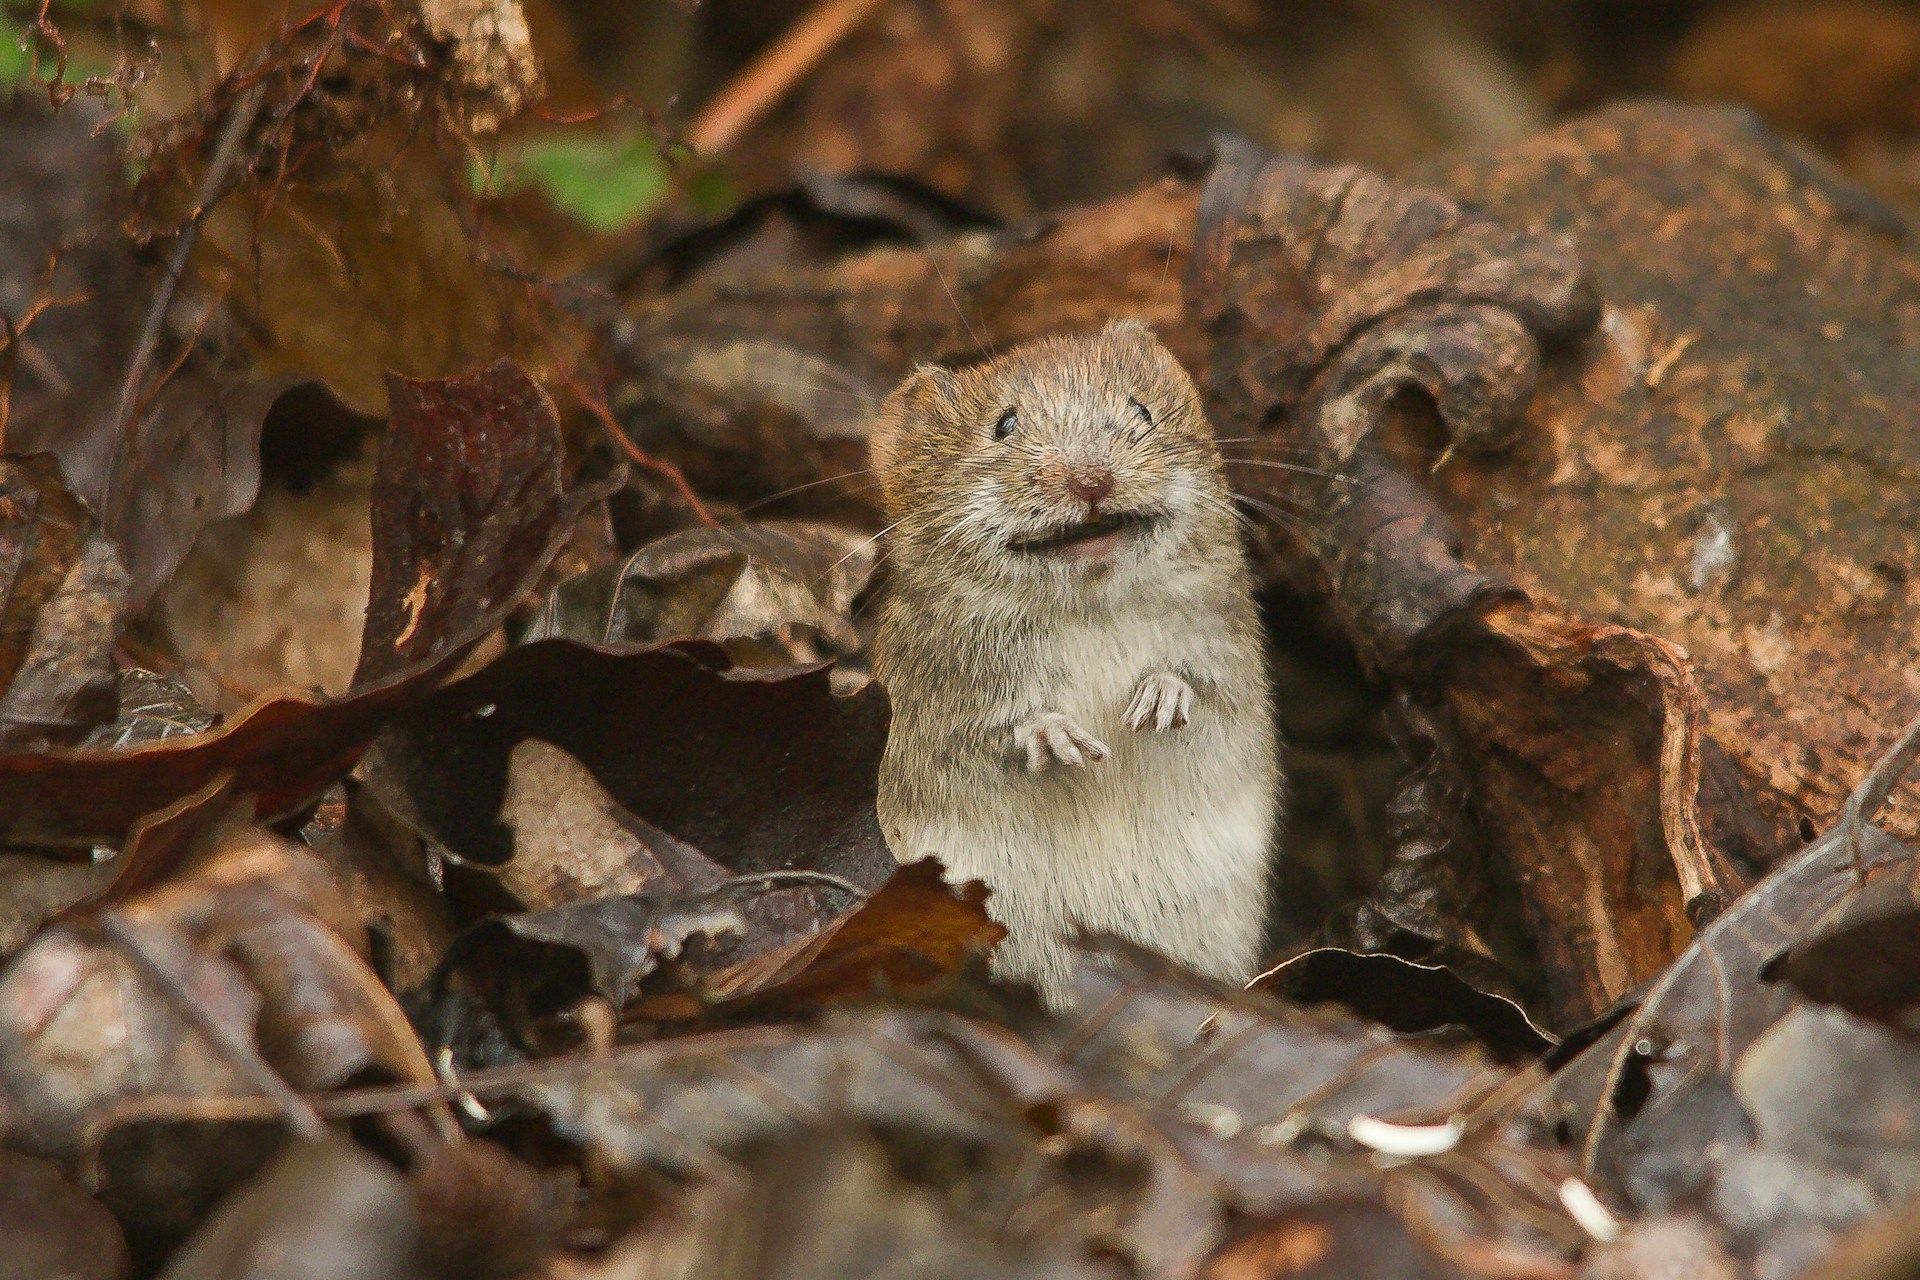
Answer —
1081 715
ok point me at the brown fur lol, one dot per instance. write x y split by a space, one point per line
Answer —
998 658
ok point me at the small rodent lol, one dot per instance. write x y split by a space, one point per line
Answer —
1081 715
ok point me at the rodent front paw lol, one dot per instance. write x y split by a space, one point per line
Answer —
1053 738
1164 701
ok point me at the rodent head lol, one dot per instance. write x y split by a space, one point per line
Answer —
1066 460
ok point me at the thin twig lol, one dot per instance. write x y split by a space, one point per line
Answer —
299 1114
213 185
597 409
742 102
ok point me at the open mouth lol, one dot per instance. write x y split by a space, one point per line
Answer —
1088 538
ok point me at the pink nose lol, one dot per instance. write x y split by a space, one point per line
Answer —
1089 483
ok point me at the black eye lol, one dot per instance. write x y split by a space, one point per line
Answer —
1006 424
1146 417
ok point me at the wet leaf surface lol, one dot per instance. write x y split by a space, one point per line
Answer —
467 505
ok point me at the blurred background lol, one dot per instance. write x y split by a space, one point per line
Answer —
1011 106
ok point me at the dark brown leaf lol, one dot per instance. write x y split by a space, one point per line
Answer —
51 1228
759 771
913 932
192 433
824 216
466 496
281 749
616 940
1660 1105
62 608
320 1211
1408 997
772 594
484 463
789 940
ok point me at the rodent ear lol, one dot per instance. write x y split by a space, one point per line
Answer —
927 385
1131 329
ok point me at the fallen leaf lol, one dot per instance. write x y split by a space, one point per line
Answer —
258 936
152 707
573 843
494 446
62 611
51 1228
320 1211
466 497
186 438
619 940
1660 1106
1406 996
911 933
759 771
774 594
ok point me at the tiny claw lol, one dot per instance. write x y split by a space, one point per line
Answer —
1053 738
1164 701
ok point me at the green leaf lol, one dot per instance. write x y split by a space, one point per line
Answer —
14 58
605 181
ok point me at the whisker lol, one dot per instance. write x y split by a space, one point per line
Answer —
1285 519
972 336
757 503
856 398
975 516
1268 442
1292 466
862 546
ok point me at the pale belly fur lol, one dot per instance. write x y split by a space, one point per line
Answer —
1166 843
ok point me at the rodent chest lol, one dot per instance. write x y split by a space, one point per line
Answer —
1085 671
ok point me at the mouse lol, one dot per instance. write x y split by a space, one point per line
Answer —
1072 649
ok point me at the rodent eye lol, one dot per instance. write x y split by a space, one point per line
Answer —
1146 416
1006 424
